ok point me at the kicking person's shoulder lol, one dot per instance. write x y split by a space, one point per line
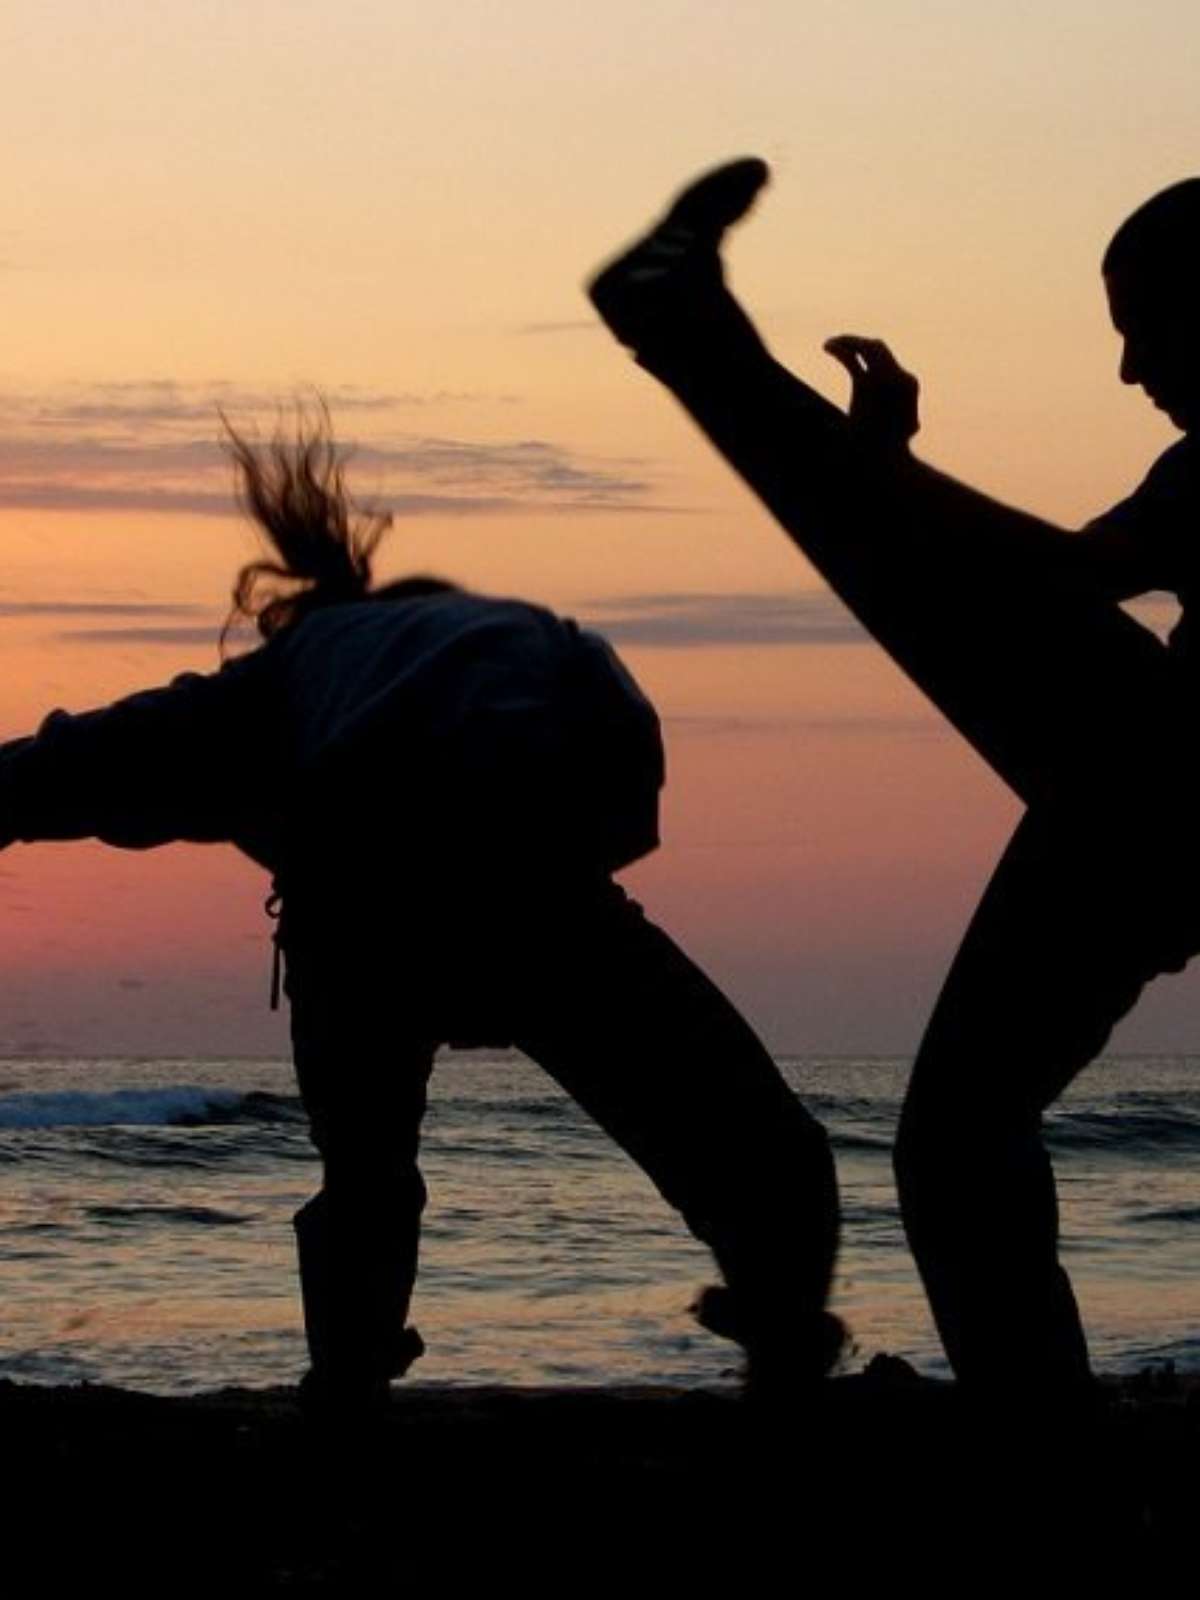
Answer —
1167 498
1170 491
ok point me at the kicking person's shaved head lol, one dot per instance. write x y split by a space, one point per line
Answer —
1152 274
1161 235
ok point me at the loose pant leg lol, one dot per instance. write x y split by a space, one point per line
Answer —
1059 949
652 1050
363 1083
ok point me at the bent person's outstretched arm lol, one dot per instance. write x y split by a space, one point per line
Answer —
165 764
982 605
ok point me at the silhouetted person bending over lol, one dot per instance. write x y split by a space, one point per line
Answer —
442 785
1012 627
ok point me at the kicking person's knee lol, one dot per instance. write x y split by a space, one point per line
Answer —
932 1159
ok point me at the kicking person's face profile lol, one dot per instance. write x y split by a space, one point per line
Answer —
1159 323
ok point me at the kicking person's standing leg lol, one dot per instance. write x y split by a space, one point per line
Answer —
1072 926
650 1048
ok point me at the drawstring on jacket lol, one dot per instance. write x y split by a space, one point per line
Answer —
273 906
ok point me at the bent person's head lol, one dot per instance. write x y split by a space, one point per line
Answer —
321 542
1152 275
294 489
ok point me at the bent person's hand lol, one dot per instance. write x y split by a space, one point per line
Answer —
884 397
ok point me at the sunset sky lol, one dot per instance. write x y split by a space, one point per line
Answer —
229 203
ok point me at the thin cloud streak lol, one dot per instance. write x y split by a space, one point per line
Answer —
135 448
663 621
164 403
82 497
179 638
199 503
689 621
145 622
49 496
96 608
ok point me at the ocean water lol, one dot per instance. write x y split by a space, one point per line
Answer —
145 1234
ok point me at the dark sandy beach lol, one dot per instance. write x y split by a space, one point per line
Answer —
234 1491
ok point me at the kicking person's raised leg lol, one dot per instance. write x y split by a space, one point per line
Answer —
1072 926
982 605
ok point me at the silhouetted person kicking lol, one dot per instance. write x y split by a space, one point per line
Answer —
442 785
1011 627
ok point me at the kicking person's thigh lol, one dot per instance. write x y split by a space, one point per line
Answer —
1080 914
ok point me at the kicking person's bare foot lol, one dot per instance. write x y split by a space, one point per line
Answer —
672 275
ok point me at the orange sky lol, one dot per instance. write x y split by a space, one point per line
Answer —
216 202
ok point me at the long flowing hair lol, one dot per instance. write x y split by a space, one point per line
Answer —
322 541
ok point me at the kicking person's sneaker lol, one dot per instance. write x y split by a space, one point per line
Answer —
672 275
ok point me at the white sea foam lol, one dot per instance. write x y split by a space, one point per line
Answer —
140 1108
